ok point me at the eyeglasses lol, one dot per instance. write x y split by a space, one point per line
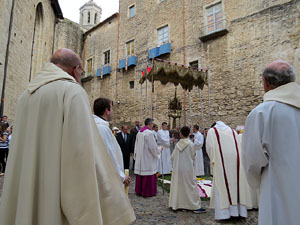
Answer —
79 66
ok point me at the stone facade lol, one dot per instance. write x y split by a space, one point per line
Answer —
30 45
257 33
68 34
252 34
99 40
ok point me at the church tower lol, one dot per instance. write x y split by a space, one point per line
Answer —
90 14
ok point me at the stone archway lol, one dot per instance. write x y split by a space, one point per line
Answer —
37 42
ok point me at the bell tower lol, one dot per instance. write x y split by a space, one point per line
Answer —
90 14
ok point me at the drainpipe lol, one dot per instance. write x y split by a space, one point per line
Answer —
184 59
53 39
6 57
32 47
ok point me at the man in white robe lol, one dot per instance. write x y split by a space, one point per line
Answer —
271 144
164 163
198 142
230 195
59 171
146 155
102 114
184 192
254 192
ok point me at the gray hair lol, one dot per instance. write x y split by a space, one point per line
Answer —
277 77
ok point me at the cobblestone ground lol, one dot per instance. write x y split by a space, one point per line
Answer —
154 210
150 211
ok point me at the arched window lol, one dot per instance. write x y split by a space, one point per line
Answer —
95 19
37 57
89 17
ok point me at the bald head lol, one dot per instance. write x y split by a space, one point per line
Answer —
68 61
65 57
278 73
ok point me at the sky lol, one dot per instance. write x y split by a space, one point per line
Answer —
70 8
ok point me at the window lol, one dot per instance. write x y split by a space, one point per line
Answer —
131 84
107 57
130 47
131 11
89 66
163 35
214 18
194 64
95 19
89 17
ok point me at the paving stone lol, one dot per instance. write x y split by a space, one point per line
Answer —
155 211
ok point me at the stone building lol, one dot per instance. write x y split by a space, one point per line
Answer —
27 41
235 39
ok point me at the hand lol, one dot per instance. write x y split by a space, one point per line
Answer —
172 139
127 181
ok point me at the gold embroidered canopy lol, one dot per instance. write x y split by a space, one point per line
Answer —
165 72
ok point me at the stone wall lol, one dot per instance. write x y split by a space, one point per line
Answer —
100 39
68 34
21 66
258 32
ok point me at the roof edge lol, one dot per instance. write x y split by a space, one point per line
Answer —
103 22
57 9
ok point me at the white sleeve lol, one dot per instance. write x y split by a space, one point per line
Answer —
198 141
210 148
152 146
163 140
109 141
254 154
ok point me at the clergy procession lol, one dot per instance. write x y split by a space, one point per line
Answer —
70 167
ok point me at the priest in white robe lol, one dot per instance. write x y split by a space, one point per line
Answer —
254 192
59 171
183 191
230 195
198 143
146 155
103 113
271 144
163 137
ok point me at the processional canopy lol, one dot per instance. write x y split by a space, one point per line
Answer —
187 77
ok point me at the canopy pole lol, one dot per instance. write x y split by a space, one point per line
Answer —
152 92
184 108
141 103
201 108
208 80
146 97
190 110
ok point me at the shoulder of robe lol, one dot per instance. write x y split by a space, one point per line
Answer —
262 108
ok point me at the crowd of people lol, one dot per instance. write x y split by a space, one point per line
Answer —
5 138
71 168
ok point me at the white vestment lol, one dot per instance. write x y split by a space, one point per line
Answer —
146 153
183 191
164 163
59 171
198 163
224 197
271 155
254 192
112 145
